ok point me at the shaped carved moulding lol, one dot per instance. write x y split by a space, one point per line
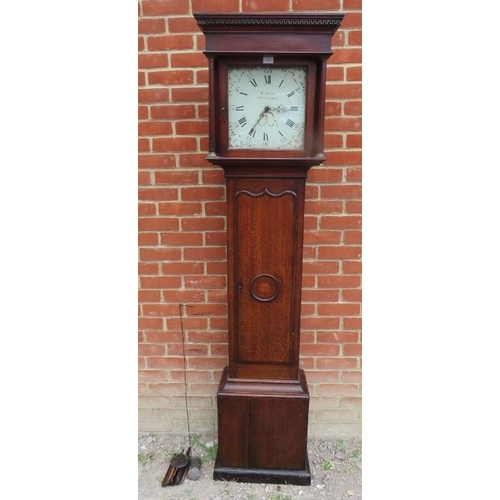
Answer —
275 21
264 287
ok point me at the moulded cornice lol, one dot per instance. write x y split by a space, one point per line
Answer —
270 19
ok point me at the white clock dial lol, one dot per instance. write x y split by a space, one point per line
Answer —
267 107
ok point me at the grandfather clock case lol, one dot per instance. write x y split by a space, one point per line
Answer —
267 77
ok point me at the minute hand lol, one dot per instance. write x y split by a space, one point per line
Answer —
261 116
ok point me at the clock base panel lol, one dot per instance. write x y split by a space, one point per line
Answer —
262 430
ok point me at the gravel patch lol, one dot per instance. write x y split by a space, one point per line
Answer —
335 469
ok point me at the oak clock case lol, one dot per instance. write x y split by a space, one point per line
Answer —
267 79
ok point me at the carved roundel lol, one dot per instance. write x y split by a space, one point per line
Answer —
264 287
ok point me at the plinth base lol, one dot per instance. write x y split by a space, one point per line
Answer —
268 476
262 430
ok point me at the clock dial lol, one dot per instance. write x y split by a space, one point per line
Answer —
267 107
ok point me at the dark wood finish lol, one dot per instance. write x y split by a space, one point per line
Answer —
274 444
308 33
265 228
233 416
263 399
252 416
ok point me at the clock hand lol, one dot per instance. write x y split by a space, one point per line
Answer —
267 110
262 115
258 119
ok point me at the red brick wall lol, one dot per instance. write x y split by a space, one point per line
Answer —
182 224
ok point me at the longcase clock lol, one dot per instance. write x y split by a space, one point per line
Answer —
267 76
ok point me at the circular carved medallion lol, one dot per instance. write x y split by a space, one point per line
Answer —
264 287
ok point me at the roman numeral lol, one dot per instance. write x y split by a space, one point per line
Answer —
243 93
239 108
281 133
266 137
281 83
294 108
291 93
290 123
252 132
267 78
242 121
253 82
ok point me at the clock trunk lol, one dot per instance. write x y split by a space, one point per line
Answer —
265 225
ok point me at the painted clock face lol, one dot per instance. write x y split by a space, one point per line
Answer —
267 107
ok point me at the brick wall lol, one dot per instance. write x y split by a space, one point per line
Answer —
182 224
